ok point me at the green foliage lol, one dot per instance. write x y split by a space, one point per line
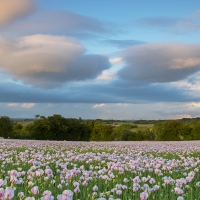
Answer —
102 132
123 132
21 132
17 128
40 129
185 132
196 132
6 127
145 135
57 127
168 131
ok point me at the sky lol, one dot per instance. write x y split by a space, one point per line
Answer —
107 59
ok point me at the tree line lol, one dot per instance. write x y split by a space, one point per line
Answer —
57 127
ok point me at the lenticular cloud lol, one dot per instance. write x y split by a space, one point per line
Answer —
48 61
160 62
12 10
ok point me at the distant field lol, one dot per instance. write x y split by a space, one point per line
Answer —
140 126
24 122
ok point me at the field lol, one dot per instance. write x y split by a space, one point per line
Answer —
139 126
64 170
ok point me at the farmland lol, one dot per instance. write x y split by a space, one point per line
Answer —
99 170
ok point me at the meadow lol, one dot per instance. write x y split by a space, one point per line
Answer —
64 170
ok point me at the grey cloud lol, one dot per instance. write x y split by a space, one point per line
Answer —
181 109
49 61
157 21
85 67
184 26
169 25
57 23
160 62
122 43
94 93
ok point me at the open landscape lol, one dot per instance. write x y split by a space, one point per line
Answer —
99 100
65 170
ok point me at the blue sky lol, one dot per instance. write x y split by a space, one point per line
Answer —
109 59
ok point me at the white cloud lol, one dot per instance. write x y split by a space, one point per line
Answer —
123 104
107 75
99 105
23 105
116 61
193 105
181 63
27 105
12 104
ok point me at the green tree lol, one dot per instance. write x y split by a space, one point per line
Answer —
195 133
123 132
37 116
101 132
39 130
57 127
185 132
17 129
6 127
167 131
133 136
85 132
26 132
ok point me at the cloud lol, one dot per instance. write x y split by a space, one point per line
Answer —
23 105
181 63
12 104
107 75
158 110
112 92
123 104
49 61
157 21
160 62
27 105
150 73
59 23
184 25
178 110
11 10
99 105
116 61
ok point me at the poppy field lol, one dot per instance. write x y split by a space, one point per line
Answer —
47 170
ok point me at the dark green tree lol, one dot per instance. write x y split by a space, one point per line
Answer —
85 132
39 130
57 127
6 127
